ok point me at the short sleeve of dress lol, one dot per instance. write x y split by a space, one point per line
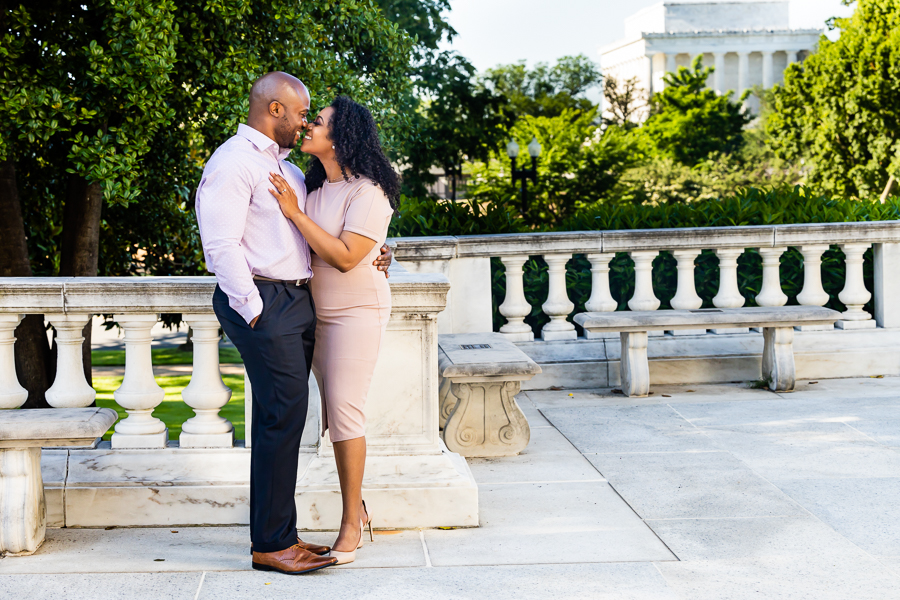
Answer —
369 214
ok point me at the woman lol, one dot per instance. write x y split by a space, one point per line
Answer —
352 190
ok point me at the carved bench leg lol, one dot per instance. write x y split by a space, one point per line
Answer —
23 513
446 402
486 420
633 368
778 358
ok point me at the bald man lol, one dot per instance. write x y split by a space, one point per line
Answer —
263 303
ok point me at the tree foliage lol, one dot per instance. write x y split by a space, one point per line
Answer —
133 96
688 122
546 90
579 164
840 109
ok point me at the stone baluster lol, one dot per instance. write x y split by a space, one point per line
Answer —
12 394
771 293
558 306
686 297
206 393
139 394
813 294
70 389
601 299
855 295
515 307
729 295
643 298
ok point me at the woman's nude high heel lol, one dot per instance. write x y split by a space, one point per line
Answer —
347 557
367 523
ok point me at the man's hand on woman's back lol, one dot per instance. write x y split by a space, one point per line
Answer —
384 261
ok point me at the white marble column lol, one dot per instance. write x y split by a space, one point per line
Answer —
813 294
743 72
206 393
855 295
791 56
515 307
729 295
671 65
558 306
768 69
686 297
12 394
643 298
771 293
720 72
601 299
139 393
70 389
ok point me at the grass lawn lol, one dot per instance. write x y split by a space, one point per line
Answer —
161 356
173 411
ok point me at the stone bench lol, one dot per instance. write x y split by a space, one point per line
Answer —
777 324
23 513
481 375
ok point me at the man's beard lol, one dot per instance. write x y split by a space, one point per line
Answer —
287 136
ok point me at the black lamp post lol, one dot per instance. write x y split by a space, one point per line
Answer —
534 150
453 174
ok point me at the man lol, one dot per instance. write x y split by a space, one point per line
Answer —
263 302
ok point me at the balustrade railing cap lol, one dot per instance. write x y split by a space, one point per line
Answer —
750 236
625 240
420 292
837 233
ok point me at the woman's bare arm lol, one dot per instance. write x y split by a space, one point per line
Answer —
342 253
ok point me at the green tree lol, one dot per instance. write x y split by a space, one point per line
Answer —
109 109
688 122
456 122
545 90
579 164
840 109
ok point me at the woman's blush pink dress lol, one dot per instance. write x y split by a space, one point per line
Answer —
352 308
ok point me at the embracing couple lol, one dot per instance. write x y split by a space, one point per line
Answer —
298 262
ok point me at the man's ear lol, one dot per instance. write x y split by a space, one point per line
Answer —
275 108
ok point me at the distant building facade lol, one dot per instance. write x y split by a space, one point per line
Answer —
749 43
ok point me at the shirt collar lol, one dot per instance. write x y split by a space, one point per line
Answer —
262 142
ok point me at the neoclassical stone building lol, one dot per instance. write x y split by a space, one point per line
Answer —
750 42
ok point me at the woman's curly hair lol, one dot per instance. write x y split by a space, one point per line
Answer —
357 150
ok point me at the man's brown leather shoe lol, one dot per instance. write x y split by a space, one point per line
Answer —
314 548
291 561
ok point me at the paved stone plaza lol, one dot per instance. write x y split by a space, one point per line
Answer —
697 492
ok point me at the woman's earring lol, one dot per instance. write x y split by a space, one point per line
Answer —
332 146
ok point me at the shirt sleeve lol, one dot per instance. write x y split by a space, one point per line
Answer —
223 201
369 214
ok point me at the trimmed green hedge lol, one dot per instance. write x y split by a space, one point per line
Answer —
747 207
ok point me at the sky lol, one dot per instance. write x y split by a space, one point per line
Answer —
493 32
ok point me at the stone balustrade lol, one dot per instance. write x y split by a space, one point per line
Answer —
141 477
466 262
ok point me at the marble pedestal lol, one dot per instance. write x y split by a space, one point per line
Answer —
411 479
434 490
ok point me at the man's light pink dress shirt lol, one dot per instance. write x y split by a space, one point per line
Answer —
243 230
